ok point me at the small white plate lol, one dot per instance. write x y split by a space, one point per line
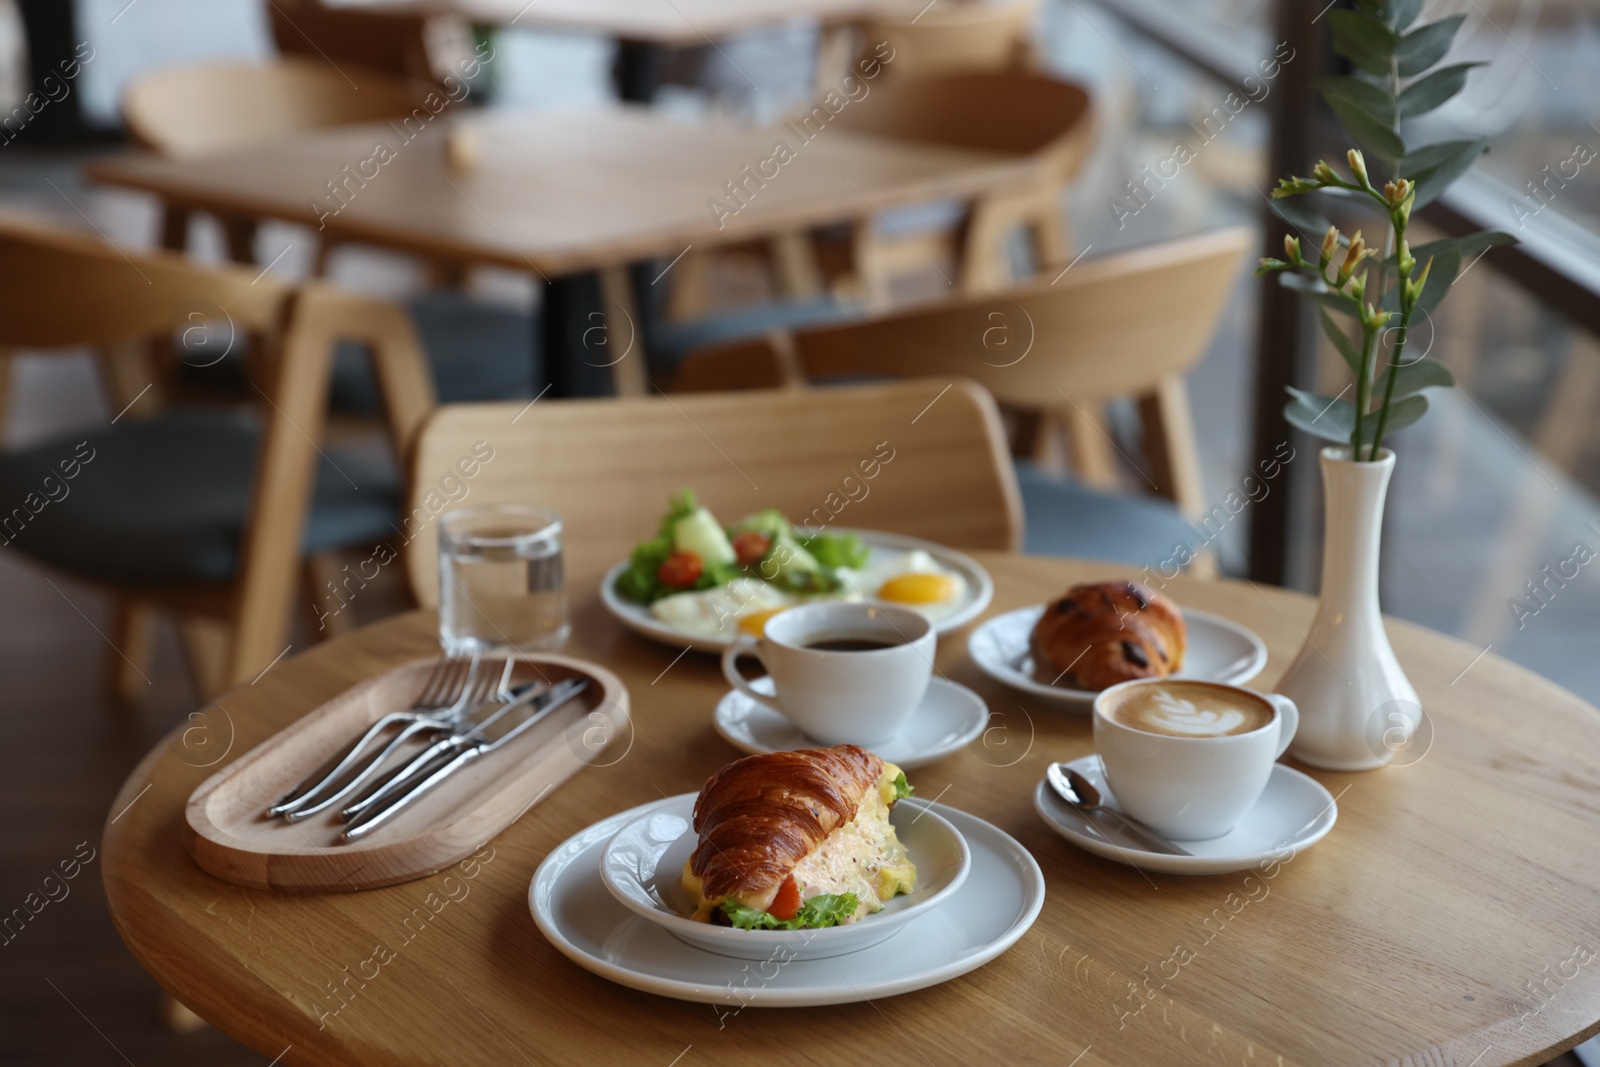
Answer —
643 868
980 589
1217 650
1294 813
949 717
995 906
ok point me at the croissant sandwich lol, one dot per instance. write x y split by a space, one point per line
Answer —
1109 632
797 840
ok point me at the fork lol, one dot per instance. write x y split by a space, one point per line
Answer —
446 695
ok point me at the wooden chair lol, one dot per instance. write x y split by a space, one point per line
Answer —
1129 324
950 37
205 513
607 466
1011 112
195 110
410 45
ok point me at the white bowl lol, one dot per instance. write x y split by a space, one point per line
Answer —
642 866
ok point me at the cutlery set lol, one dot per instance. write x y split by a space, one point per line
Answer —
467 709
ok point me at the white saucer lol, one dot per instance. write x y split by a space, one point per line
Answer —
1218 650
1293 813
995 906
949 717
643 865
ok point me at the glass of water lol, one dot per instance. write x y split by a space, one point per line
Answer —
501 587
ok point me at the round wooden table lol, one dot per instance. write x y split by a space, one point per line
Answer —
1451 917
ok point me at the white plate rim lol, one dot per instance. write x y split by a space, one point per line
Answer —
895 920
1187 865
999 841
1081 698
637 617
921 759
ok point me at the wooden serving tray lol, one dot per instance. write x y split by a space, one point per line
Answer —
230 835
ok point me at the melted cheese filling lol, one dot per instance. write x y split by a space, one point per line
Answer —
863 856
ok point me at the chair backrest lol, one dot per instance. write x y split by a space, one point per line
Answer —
1127 324
408 45
997 111
193 110
64 289
967 35
891 456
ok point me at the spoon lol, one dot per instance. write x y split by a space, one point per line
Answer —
1078 791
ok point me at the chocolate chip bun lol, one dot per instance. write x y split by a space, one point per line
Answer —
1107 632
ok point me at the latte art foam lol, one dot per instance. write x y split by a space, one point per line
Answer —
1177 709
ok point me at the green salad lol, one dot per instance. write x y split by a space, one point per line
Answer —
692 550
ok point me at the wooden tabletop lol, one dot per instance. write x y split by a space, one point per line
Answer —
559 192
669 22
1449 918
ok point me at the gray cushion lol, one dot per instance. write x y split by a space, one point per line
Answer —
671 341
1066 518
163 501
478 351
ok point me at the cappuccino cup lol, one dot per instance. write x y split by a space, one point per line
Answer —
844 673
1190 758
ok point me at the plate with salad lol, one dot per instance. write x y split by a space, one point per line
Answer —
700 583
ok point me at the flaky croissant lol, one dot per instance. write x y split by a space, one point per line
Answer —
759 816
1108 632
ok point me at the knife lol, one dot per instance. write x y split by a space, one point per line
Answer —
455 753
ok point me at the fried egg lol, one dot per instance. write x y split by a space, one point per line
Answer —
913 580
721 612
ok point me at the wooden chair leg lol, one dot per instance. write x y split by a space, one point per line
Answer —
241 237
174 227
130 375
1169 445
206 642
794 262
1092 452
871 275
688 287
133 631
630 373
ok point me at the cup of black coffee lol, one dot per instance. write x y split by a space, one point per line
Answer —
845 673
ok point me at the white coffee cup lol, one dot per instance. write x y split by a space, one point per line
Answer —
841 698
1197 787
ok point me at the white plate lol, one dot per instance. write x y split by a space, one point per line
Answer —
948 718
643 868
994 907
1217 650
980 588
1294 813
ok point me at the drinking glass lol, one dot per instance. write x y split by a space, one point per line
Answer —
501 587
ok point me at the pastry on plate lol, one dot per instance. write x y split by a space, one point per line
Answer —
798 840
1107 632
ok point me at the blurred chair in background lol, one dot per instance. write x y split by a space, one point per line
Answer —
409 45
1128 325
205 513
950 37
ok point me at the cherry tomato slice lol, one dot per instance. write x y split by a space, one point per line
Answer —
787 902
680 570
751 547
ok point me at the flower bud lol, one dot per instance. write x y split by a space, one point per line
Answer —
1406 260
1330 244
1324 174
1358 287
1358 166
1355 254
1291 249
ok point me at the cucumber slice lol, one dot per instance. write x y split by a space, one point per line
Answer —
698 532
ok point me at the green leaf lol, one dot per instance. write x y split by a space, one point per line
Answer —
1316 287
1298 213
902 788
1402 413
1346 347
1375 136
1403 13
1321 416
1426 45
1433 167
822 910
1371 98
1470 245
1414 377
1364 40
1425 94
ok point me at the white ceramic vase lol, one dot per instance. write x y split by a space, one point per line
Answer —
1356 705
